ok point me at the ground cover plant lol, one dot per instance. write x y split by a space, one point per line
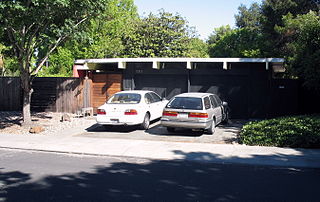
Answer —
292 131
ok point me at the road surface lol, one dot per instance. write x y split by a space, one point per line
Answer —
40 176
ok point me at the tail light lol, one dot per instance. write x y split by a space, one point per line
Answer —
169 113
130 112
101 111
198 115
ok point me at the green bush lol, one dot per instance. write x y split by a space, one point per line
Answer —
293 131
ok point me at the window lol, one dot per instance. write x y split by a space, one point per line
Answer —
156 98
207 103
185 103
213 101
125 98
148 98
218 100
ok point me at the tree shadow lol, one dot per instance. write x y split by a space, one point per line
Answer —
11 118
159 180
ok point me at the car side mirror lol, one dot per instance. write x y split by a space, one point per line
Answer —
164 99
225 104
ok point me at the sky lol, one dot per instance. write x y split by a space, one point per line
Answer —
204 15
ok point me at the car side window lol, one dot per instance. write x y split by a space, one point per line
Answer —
156 98
213 101
148 98
207 104
218 100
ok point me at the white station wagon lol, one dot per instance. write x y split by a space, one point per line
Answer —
195 111
134 107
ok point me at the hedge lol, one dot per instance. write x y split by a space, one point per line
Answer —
293 131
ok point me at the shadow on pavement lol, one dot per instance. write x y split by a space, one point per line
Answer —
119 129
167 181
162 131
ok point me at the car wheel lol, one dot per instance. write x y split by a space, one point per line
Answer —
212 127
169 129
226 119
146 122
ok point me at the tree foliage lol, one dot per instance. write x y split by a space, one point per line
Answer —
100 38
242 42
198 48
302 44
272 12
248 17
161 35
41 25
219 33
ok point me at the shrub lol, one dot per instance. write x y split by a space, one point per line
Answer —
294 131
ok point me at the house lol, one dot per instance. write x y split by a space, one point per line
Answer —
247 84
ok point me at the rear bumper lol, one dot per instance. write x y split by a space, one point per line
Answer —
130 120
185 124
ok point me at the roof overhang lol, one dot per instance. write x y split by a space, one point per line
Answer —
83 63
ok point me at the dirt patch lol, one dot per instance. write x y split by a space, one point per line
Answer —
10 122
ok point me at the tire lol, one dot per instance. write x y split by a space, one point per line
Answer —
226 119
146 122
170 129
212 128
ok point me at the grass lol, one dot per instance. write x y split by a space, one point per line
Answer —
292 131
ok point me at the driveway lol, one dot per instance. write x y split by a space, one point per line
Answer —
224 134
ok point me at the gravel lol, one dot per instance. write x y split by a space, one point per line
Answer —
10 122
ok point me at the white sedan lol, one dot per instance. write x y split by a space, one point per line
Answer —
135 107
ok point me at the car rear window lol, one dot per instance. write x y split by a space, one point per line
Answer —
185 103
125 98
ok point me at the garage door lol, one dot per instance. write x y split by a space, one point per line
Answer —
166 85
232 89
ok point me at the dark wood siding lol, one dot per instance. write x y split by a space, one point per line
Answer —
103 87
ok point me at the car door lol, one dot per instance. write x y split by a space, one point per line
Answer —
151 106
208 106
159 104
216 109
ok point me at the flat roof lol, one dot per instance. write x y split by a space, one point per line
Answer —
88 64
116 60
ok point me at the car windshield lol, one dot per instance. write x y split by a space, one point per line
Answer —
125 98
185 103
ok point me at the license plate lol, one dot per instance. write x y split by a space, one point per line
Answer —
183 115
114 120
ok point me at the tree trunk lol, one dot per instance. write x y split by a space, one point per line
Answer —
26 113
27 92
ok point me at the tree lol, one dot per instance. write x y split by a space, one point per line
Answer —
162 35
105 33
41 25
102 38
272 13
248 17
303 41
219 33
60 63
237 43
198 48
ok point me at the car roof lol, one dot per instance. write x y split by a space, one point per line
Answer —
193 94
135 91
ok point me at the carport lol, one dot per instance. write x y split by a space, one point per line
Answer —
247 84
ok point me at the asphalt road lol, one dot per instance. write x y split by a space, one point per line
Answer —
224 134
33 176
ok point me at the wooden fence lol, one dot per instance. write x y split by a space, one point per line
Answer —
10 94
53 94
